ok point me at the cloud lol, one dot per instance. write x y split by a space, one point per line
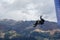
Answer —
27 9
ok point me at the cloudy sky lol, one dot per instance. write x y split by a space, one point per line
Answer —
27 9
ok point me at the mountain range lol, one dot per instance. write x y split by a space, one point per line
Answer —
26 28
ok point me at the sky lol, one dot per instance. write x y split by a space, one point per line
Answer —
28 10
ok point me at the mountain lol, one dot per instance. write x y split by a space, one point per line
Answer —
26 29
23 25
45 35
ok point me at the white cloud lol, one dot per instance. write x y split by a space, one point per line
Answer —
27 9
8 1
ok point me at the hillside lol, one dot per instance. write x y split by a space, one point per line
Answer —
27 31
